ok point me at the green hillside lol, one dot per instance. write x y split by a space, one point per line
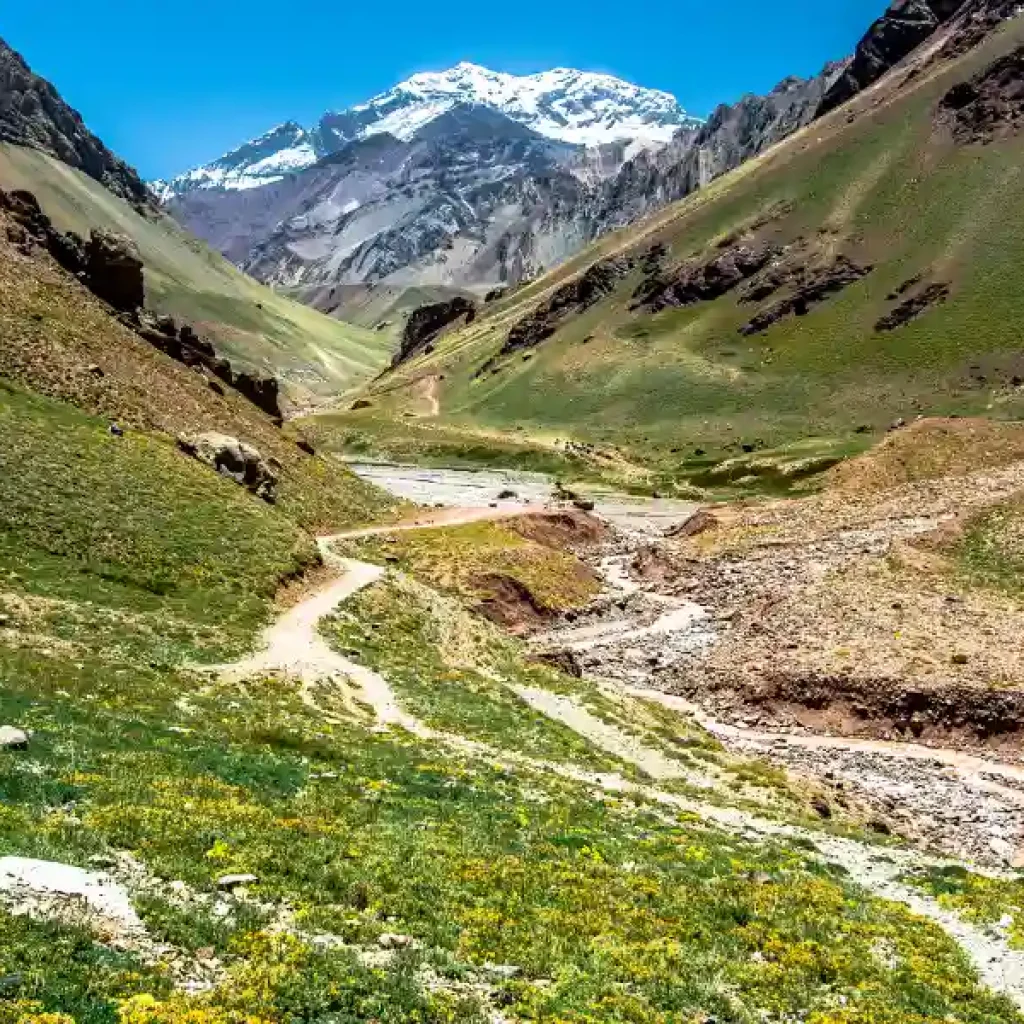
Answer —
315 355
881 183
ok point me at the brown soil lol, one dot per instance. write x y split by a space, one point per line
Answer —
561 530
846 612
510 603
882 707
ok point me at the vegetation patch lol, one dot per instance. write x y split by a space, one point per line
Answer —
978 898
454 671
990 551
514 579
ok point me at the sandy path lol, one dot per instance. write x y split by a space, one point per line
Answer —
604 736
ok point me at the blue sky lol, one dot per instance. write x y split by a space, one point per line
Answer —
169 86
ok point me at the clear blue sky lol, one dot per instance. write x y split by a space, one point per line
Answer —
172 85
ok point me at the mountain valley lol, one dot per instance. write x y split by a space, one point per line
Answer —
514 553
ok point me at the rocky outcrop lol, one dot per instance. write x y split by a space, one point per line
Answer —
183 345
702 282
234 459
732 135
108 264
29 228
990 105
114 271
914 306
427 323
110 267
33 114
570 299
897 33
812 286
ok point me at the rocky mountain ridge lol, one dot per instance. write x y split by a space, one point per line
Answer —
576 107
405 194
33 114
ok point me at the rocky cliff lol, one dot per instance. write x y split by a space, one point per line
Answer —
33 114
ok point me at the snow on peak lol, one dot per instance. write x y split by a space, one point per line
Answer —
283 150
578 107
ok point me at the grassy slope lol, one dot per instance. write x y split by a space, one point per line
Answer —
54 337
885 188
611 912
316 355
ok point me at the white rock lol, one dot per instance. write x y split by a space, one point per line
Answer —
13 739
229 882
22 877
388 940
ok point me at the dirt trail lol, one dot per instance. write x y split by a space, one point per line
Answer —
438 517
430 396
293 645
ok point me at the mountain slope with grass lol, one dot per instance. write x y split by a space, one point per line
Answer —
315 356
858 274
46 149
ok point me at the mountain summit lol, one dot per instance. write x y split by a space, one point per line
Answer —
577 107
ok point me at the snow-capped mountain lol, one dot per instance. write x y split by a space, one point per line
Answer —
281 151
576 107
579 107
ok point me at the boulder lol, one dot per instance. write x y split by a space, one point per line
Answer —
263 392
114 270
228 883
235 459
13 739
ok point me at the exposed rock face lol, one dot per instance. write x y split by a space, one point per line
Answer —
427 323
813 287
110 267
108 264
903 27
234 459
696 156
184 346
989 106
572 298
33 114
704 281
470 199
914 306
114 270
31 228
